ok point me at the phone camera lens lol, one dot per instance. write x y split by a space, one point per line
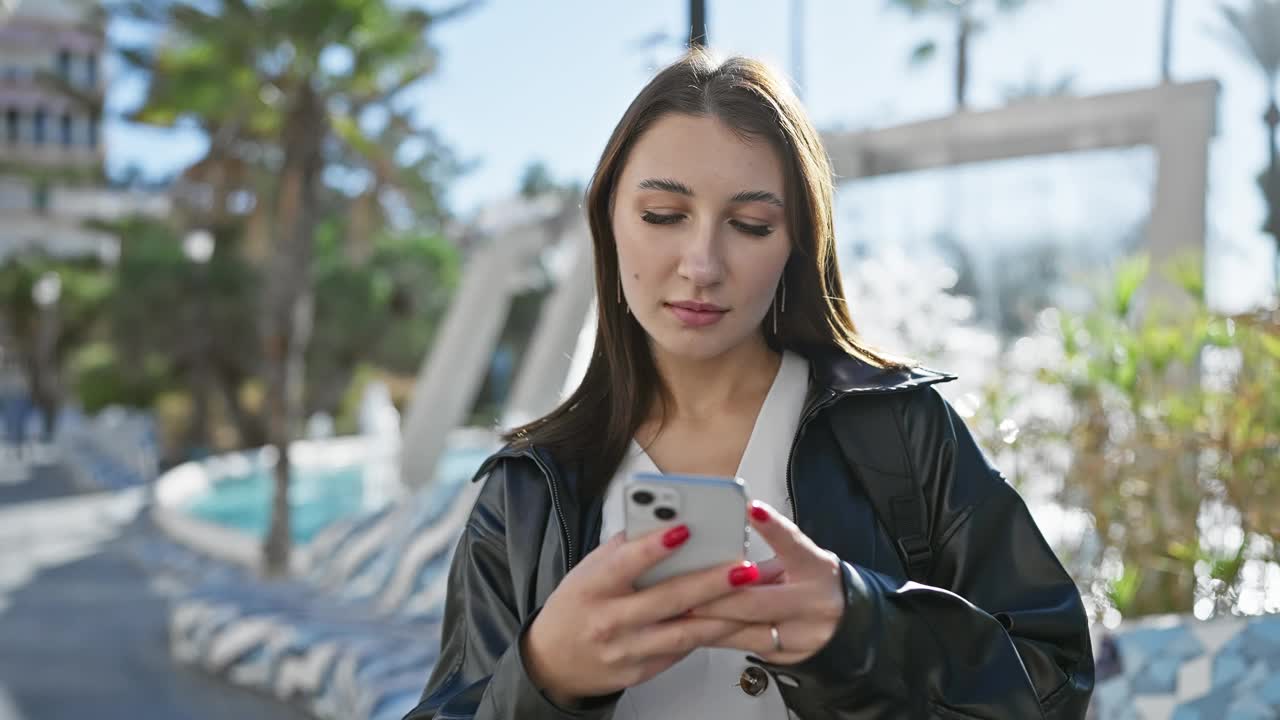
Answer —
664 513
642 497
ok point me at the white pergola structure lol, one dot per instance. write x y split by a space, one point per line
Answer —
1177 121
499 269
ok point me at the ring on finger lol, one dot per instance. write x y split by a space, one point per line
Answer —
777 638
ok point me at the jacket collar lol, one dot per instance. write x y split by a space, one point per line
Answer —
844 374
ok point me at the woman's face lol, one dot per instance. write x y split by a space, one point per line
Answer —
701 233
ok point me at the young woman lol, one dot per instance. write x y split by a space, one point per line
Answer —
725 347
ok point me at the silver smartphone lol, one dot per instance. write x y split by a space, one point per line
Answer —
714 509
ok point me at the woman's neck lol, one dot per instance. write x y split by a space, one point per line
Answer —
701 389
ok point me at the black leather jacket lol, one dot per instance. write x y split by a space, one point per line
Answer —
999 631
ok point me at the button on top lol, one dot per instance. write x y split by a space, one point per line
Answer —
753 681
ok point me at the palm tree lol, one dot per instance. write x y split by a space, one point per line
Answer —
969 19
1255 33
285 85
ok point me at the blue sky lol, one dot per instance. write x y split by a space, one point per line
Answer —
524 80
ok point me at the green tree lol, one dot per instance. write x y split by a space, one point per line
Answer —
300 81
536 180
204 312
381 312
50 307
970 18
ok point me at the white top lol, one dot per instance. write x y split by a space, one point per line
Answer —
704 685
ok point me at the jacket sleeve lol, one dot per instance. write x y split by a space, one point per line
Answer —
1000 632
480 673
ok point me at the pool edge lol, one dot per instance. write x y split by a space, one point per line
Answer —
181 482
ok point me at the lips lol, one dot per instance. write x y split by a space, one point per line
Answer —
696 314
698 306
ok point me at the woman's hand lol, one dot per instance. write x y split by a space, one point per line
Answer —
804 603
596 634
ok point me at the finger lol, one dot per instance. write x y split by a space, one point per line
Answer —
772 571
601 555
775 603
602 551
791 545
679 637
676 595
800 640
628 559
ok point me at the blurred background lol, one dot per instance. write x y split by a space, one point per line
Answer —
274 272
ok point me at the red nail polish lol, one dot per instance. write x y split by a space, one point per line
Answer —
744 574
759 513
675 536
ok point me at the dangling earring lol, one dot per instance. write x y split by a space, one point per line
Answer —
620 302
783 292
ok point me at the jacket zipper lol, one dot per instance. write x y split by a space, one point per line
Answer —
809 413
571 555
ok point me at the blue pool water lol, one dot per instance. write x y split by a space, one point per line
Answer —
317 496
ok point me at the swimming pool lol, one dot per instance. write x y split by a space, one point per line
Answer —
332 479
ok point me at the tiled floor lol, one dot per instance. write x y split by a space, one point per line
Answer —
1175 667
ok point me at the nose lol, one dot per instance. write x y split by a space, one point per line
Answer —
702 256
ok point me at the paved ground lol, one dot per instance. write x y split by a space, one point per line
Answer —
21 479
82 628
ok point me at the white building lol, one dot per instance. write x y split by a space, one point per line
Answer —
51 150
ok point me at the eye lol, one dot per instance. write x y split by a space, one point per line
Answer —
752 229
660 219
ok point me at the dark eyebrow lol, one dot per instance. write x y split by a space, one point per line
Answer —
666 185
747 196
679 188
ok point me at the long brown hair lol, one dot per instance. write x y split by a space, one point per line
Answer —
594 426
